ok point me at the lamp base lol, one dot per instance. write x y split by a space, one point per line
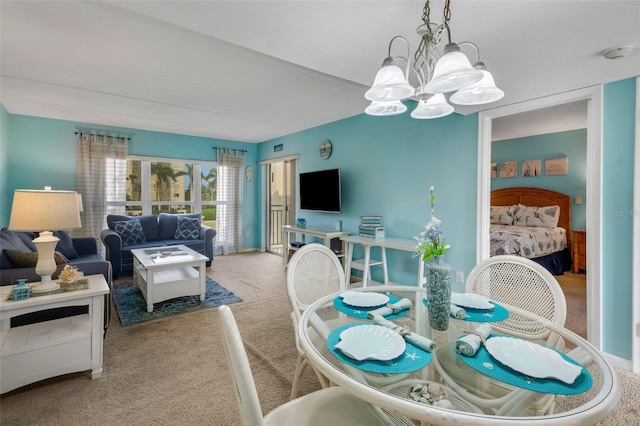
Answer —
46 286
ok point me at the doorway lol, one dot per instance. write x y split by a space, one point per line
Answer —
593 96
280 204
543 134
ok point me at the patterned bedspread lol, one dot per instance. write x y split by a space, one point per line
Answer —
526 241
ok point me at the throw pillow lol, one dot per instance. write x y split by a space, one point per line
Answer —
544 217
188 228
130 231
28 259
65 245
503 215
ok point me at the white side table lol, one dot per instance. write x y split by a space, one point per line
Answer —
326 234
34 352
367 262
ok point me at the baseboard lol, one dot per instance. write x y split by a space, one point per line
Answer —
618 362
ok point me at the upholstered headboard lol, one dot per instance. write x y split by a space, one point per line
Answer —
536 197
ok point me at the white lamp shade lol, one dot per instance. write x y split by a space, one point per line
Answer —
452 72
390 85
385 108
482 92
435 107
35 211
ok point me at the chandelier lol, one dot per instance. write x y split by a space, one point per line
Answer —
437 73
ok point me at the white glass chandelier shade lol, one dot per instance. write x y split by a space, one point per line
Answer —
453 71
482 92
390 84
435 107
385 108
45 211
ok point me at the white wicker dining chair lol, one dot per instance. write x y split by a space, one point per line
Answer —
329 406
524 284
313 272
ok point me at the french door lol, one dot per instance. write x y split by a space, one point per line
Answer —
281 190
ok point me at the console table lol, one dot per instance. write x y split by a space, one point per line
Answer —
326 234
367 262
34 352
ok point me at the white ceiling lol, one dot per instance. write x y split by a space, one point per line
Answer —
252 71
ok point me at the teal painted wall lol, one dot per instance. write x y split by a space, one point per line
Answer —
572 144
43 151
387 166
617 220
5 194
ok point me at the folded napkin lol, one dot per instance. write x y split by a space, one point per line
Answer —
469 344
457 311
413 338
391 308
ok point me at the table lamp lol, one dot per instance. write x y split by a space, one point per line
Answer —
44 212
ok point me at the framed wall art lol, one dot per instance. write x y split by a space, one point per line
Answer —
494 170
509 169
555 166
532 167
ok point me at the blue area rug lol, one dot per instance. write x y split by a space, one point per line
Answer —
132 309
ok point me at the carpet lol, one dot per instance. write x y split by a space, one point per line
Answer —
132 308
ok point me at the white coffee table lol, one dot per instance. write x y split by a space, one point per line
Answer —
163 273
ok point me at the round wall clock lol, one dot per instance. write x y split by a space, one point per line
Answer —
325 149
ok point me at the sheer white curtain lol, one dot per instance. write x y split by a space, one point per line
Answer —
229 201
101 178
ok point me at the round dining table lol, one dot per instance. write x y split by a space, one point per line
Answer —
334 336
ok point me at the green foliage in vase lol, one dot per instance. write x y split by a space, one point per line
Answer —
431 242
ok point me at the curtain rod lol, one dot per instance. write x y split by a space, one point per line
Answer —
124 138
239 150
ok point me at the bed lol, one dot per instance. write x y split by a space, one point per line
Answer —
526 222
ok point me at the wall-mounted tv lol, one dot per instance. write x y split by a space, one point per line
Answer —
320 191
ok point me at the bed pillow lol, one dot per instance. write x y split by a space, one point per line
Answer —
130 231
503 215
543 217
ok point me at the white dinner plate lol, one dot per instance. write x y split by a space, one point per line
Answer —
366 300
371 341
471 300
532 359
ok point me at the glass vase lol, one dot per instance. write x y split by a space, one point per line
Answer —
438 293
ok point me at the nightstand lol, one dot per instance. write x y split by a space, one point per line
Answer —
579 242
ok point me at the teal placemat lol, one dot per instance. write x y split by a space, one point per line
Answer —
358 312
483 362
411 360
498 313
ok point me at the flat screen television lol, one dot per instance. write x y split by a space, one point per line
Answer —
320 191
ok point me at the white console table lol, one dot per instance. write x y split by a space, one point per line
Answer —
367 262
326 234
34 352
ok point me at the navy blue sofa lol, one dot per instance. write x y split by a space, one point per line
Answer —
81 252
158 231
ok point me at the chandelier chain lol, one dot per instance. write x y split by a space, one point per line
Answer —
446 17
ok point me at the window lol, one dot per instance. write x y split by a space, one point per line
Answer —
171 186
